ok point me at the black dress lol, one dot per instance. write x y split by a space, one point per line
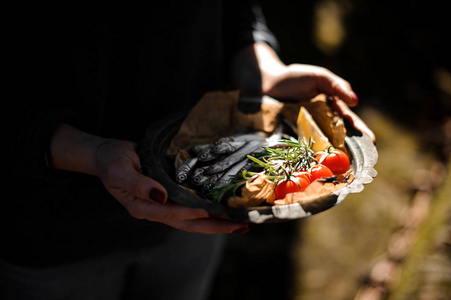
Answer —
110 71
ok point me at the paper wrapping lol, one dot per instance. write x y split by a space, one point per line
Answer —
218 114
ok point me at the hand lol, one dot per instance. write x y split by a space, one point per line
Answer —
117 164
343 110
258 69
304 82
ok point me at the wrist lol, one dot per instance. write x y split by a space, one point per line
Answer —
256 69
74 150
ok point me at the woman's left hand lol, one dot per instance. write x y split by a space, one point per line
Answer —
258 70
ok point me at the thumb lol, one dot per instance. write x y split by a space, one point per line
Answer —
158 193
146 188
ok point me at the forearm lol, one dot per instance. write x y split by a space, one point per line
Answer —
255 68
73 150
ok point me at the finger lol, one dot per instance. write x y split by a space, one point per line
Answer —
149 210
335 86
354 119
210 226
144 187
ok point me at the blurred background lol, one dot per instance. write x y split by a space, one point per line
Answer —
393 240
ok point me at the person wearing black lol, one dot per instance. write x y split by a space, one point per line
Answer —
78 219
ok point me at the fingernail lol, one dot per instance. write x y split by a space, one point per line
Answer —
354 96
157 195
241 230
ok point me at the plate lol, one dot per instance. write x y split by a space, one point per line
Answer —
155 164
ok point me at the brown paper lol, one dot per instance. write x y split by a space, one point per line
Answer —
255 192
217 115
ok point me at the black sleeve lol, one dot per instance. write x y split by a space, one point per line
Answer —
34 87
26 131
244 24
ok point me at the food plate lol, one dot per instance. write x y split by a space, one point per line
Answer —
155 164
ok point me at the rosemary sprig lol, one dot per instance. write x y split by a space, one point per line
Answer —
284 160
277 163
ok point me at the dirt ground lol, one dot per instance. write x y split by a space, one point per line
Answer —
393 240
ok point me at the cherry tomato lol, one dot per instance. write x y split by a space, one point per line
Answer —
286 187
337 161
320 171
303 179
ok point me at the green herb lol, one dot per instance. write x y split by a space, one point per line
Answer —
277 163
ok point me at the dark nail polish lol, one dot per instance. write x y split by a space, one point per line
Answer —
157 195
241 230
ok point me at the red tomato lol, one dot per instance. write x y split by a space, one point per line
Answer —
320 171
286 187
337 161
303 179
